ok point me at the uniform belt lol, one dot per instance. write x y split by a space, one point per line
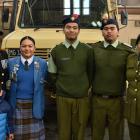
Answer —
107 96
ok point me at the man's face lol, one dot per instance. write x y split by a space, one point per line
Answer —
71 31
27 48
110 33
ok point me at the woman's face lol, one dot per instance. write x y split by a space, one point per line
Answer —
27 48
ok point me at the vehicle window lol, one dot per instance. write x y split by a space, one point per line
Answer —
50 13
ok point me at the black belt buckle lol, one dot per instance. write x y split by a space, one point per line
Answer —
105 96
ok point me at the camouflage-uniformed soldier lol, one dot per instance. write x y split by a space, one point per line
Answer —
109 83
133 93
3 69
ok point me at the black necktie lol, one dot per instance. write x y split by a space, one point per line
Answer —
110 47
26 66
71 49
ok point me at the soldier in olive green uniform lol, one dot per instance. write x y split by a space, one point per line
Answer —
71 62
109 83
133 93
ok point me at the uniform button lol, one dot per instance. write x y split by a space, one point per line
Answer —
136 80
136 71
2 74
136 89
1 82
135 99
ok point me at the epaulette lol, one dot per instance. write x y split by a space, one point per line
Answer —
127 47
94 43
126 44
98 41
59 44
86 44
56 46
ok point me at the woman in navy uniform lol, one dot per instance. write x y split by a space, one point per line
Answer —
27 74
133 93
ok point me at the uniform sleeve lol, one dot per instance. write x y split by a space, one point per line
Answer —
10 124
90 65
51 65
52 72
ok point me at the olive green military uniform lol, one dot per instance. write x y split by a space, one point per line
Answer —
3 69
133 96
108 89
73 77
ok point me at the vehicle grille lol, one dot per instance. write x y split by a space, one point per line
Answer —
41 52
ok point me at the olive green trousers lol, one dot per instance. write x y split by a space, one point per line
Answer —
107 113
72 117
134 131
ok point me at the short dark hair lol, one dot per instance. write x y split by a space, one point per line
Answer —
137 40
27 37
